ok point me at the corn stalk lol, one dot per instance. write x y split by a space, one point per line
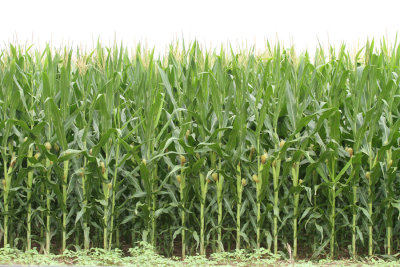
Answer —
203 190
240 184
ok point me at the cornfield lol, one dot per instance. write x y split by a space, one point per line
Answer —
200 151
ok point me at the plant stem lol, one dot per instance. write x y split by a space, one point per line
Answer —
259 187
105 236
370 213
220 183
202 250
332 220
42 191
389 209
275 173
6 191
354 220
106 190
28 199
204 185
65 182
372 163
354 177
239 188
85 202
153 207
182 191
295 174
7 186
48 206
114 189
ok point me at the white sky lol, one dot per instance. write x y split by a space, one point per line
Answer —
211 22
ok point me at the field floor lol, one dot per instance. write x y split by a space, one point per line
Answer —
144 256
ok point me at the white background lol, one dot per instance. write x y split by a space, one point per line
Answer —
158 23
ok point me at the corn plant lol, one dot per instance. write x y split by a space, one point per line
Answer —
240 184
204 186
8 158
109 147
